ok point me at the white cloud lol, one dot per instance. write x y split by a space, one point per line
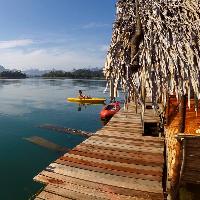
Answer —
6 44
94 25
38 53
50 58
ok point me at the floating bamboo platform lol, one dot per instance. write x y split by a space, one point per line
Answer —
116 163
65 130
46 144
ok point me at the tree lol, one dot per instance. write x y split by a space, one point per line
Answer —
12 74
79 73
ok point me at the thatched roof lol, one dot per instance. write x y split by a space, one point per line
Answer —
155 46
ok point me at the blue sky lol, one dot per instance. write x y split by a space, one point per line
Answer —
61 34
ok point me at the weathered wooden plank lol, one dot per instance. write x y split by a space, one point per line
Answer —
126 141
122 133
193 145
115 151
118 152
69 192
127 113
134 123
81 193
151 115
192 166
133 131
132 134
193 154
121 136
50 196
130 131
105 168
157 171
192 173
127 127
130 112
127 119
125 124
135 160
124 146
131 116
151 120
119 181
53 178
122 121
146 139
192 162
122 127
191 178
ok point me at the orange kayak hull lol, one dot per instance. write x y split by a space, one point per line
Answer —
109 110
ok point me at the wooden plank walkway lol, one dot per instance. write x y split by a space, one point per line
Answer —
117 163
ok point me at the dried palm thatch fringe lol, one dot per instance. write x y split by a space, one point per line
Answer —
155 48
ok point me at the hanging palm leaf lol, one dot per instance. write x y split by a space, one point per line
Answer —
155 46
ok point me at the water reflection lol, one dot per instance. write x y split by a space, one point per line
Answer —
55 82
105 120
89 83
5 82
20 97
25 104
82 106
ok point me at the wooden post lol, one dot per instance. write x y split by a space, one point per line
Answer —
111 89
168 110
182 114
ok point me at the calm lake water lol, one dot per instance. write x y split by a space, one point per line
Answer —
27 104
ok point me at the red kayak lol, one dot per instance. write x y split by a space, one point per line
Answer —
109 110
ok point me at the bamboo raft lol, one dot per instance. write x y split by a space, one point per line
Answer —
46 144
116 163
65 130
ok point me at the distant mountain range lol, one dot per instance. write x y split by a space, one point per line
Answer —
30 72
35 72
2 69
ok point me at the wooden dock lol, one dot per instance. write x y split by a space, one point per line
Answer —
117 163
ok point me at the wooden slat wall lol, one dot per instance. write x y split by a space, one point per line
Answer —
116 163
191 172
192 127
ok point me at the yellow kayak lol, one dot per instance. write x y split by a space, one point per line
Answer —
87 100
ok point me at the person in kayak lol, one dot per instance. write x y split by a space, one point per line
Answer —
81 96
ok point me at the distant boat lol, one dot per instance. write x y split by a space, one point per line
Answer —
87 100
109 110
